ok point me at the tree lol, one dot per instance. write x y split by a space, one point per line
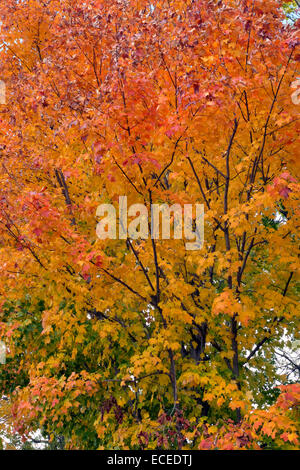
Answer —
292 9
289 361
130 343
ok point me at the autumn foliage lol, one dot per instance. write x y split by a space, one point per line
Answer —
140 343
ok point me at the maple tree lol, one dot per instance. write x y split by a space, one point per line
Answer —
141 343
